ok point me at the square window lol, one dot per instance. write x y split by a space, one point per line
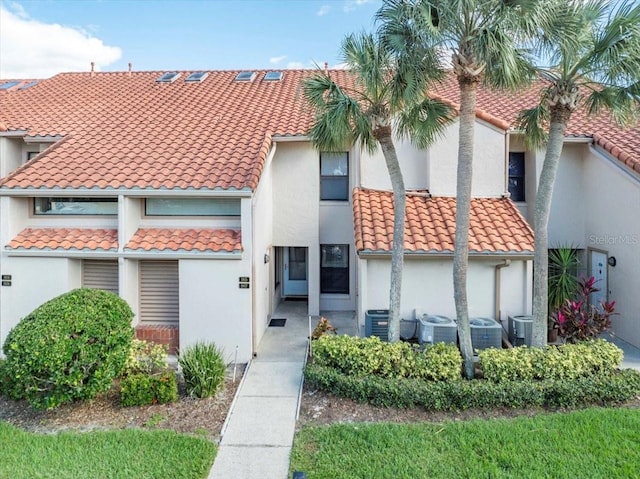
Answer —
334 268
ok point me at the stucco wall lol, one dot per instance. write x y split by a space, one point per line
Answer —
428 284
413 163
213 308
34 281
296 206
612 224
488 166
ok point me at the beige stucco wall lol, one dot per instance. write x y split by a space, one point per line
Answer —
488 166
213 308
428 284
612 224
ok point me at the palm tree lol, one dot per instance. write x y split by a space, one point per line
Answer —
485 38
594 66
382 100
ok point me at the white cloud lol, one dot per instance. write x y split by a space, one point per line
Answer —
324 9
32 49
297 65
276 60
351 5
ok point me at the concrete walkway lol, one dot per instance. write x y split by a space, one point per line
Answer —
257 440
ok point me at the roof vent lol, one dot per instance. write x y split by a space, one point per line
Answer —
245 76
196 77
273 76
168 77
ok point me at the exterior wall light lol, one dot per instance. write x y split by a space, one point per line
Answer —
611 261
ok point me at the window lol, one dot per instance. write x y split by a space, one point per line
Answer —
75 206
334 268
196 77
169 77
334 176
32 154
245 76
516 176
192 207
273 76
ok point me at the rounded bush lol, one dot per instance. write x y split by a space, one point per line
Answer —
69 348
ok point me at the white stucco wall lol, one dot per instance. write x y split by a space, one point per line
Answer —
612 224
10 155
34 281
296 207
488 166
428 284
413 163
213 308
262 245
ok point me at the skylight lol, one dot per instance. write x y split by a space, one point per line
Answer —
9 84
168 77
273 76
28 85
245 76
196 77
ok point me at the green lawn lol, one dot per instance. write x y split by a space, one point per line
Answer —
130 454
591 443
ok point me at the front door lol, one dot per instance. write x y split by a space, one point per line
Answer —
295 271
598 269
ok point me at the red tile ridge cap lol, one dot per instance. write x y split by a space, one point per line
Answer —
28 164
3 127
263 153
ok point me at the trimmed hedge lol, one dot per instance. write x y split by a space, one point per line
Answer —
603 389
70 348
370 356
568 361
144 389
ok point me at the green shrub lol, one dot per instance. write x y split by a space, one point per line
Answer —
370 356
70 348
146 357
203 369
601 389
568 361
144 389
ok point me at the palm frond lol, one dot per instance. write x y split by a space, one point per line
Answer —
533 124
425 122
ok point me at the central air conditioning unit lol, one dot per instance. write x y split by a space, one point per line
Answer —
376 323
437 329
520 329
485 333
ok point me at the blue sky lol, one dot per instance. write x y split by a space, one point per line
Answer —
41 37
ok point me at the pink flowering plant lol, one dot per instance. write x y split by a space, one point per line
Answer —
578 320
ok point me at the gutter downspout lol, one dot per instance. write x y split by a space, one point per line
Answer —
506 263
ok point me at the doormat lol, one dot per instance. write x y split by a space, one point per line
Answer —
294 298
277 322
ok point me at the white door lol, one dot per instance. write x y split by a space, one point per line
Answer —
295 271
598 263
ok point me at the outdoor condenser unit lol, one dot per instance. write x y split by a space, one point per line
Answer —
520 330
376 323
485 333
437 329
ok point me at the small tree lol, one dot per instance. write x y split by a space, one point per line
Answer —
594 55
70 348
384 97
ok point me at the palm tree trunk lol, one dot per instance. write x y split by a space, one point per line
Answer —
383 135
463 205
559 120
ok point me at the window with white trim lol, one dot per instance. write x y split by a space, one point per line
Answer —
334 176
516 176
75 206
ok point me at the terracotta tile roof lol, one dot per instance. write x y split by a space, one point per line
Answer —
211 240
128 131
496 225
501 109
66 239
